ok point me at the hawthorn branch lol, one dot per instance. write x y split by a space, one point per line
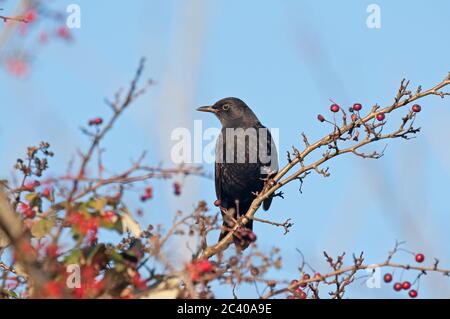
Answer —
12 227
118 110
17 19
129 177
349 272
404 97
286 225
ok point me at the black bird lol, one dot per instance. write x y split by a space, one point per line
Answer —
246 157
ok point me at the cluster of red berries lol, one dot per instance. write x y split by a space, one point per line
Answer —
416 108
148 194
27 211
336 108
138 282
95 122
84 223
90 286
52 250
298 292
31 186
19 65
358 107
405 285
199 268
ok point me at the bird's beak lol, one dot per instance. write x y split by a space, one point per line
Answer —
207 109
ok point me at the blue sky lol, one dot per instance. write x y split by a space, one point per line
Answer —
286 59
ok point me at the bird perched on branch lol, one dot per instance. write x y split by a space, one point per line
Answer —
246 157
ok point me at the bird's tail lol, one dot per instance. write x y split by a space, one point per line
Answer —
242 238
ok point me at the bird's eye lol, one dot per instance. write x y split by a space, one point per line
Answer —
226 107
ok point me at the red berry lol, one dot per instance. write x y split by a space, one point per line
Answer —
357 106
177 188
204 266
251 236
416 108
63 32
317 275
387 278
96 121
52 250
398 286
53 289
334 108
420 258
18 67
30 187
321 118
28 212
406 285
294 282
217 202
305 277
47 193
247 235
30 16
148 194
413 293
301 294
381 116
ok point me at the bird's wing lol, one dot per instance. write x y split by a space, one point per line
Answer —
219 166
218 180
273 165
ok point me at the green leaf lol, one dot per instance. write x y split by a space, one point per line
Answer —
118 226
115 256
31 197
98 204
42 228
73 258
10 293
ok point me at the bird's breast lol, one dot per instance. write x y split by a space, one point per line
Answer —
242 156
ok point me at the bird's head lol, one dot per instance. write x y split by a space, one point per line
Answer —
232 112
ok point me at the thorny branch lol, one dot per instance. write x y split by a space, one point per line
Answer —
192 280
348 131
341 276
17 19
